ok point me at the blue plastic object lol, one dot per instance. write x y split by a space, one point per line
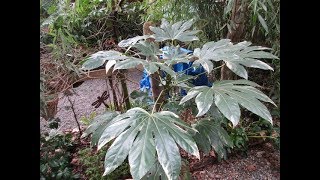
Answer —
201 80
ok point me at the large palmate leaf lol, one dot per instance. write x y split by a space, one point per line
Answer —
156 172
98 125
173 55
149 49
211 135
143 136
234 55
98 59
132 41
128 63
177 31
150 67
227 95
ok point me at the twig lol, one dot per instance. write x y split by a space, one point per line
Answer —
75 117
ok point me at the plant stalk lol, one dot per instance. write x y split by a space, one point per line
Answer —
75 117
156 102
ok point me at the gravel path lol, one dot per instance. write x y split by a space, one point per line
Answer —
262 163
84 96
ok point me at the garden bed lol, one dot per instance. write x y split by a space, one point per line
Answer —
262 160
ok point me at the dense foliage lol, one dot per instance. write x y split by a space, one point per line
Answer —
55 156
149 138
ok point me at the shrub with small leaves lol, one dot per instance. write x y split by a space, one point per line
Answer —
93 163
55 157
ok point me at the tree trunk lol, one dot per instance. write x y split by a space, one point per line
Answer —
236 33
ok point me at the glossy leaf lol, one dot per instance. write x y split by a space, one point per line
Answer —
149 49
174 55
142 153
204 100
151 67
211 135
206 64
228 106
132 41
263 23
98 125
128 63
109 64
145 138
227 97
177 31
156 172
234 55
98 59
166 69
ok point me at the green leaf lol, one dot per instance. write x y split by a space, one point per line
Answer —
237 69
234 55
146 137
228 94
97 59
177 31
98 125
256 64
128 63
109 64
263 23
151 67
228 107
167 69
229 6
181 137
204 101
156 172
212 134
251 103
168 152
119 149
264 7
112 130
149 49
236 82
191 94
142 154
206 64
132 41
254 92
259 54
174 55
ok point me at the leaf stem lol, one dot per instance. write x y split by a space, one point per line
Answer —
192 67
262 137
155 103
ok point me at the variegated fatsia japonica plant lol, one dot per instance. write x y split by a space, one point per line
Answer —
151 139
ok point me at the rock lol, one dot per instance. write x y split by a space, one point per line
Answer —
217 176
75 130
212 154
58 150
260 153
74 161
251 167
